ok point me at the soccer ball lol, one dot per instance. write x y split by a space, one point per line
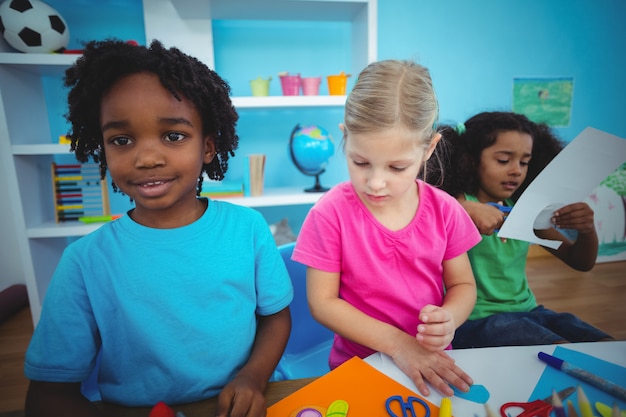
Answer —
32 26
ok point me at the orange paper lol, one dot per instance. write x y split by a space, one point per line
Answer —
364 388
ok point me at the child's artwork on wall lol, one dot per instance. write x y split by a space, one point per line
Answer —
608 202
544 100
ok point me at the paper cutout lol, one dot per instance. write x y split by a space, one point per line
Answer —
569 178
554 379
363 387
477 393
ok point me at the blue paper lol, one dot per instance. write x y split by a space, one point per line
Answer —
553 379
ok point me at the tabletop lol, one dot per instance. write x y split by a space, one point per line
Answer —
275 391
514 370
510 372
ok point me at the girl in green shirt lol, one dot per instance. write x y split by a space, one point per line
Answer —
492 158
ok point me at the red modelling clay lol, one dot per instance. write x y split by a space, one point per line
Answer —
161 409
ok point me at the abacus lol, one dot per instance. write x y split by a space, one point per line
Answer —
79 191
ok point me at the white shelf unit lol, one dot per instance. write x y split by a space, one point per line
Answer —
32 241
188 23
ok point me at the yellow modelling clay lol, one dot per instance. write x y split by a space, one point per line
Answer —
338 408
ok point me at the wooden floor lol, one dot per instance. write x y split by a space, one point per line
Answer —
598 297
15 333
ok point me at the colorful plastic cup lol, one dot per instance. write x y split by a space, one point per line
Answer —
290 84
337 84
260 87
311 86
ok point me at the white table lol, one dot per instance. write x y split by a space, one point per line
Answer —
510 373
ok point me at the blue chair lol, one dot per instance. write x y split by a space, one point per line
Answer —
308 348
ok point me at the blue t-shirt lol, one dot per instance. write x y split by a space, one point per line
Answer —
173 310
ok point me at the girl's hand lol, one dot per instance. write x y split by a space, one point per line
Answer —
436 368
241 397
577 216
486 218
437 329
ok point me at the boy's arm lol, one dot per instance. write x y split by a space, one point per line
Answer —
243 396
57 399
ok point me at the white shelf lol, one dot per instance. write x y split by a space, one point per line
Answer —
250 102
42 64
272 197
18 58
322 10
44 149
277 197
64 229
49 64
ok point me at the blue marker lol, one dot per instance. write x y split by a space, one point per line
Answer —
583 375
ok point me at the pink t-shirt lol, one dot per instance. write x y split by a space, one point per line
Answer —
388 275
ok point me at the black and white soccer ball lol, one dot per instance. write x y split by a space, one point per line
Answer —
32 26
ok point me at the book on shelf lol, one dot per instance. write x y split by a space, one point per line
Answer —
221 189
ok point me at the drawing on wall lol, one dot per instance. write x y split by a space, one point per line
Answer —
544 100
608 202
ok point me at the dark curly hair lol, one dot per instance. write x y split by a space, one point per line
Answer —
465 143
103 63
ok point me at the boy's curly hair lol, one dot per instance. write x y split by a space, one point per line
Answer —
465 145
103 63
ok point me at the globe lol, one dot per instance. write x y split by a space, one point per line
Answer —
310 148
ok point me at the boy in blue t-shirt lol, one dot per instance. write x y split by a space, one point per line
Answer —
184 298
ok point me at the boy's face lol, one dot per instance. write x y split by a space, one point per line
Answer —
504 165
154 149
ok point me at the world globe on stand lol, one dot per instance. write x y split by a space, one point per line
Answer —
310 148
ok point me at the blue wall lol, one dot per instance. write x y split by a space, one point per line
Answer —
473 49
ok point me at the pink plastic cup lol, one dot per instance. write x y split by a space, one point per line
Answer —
311 86
290 84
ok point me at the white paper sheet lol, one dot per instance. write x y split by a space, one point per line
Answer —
569 178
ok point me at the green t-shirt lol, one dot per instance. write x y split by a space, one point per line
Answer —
500 272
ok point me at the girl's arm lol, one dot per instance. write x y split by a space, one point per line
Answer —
57 399
486 218
440 323
580 254
243 396
418 363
